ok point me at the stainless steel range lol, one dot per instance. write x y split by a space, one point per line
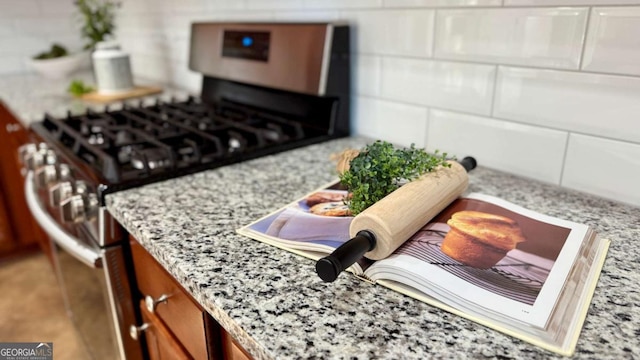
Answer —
266 88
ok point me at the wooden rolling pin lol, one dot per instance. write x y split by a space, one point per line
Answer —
381 228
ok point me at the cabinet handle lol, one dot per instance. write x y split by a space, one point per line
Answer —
152 303
13 128
135 331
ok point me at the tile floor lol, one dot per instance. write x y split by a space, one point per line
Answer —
32 309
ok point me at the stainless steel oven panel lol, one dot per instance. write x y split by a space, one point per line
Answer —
95 286
88 305
295 59
80 250
109 230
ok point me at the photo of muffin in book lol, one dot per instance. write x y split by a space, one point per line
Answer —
526 274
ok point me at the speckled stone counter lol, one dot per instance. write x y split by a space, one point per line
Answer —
29 96
272 302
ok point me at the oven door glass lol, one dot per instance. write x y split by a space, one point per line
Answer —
87 300
94 284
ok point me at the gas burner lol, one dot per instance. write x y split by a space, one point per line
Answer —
138 141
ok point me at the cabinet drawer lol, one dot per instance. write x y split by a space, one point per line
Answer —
160 342
181 314
233 351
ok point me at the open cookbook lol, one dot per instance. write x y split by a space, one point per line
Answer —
523 273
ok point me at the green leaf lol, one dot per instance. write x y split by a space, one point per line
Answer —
380 168
98 17
78 88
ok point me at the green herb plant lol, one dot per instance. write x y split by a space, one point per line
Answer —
56 51
78 88
98 20
380 168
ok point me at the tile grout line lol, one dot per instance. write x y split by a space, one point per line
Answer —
510 65
564 159
433 34
489 117
584 39
492 106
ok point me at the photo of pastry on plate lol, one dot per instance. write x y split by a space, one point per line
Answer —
328 203
480 239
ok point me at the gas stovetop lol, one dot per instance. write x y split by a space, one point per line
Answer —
249 106
143 142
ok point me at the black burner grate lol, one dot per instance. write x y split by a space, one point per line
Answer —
139 141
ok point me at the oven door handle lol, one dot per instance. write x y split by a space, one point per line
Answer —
73 246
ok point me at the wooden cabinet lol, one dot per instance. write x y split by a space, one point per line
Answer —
161 344
6 235
174 321
179 321
232 350
25 233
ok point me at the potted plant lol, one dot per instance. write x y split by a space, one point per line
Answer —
98 20
57 62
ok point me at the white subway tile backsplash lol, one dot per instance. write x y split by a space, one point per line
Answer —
441 3
568 2
12 64
603 167
238 16
366 74
47 26
275 4
498 144
397 123
613 41
217 5
28 26
151 67
185 78
73 42
178 49
140 25
62 7
546 37
13 8
6 27
138 7
306 16
603 105
421 68
61 25
154 46
342 4
180 25
392 32
23 45
173 7
450 85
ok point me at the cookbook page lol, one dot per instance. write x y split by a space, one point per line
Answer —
313 226
486 253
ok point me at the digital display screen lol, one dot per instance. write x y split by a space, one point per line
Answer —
250 45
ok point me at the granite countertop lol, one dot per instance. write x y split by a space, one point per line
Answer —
273 303
30 96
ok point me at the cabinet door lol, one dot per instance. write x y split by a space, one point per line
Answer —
160 342
26 232
6 236
232 350
183 318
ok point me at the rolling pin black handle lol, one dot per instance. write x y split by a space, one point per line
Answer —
329 267
468 163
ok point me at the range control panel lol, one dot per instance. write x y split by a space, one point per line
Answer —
250 45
